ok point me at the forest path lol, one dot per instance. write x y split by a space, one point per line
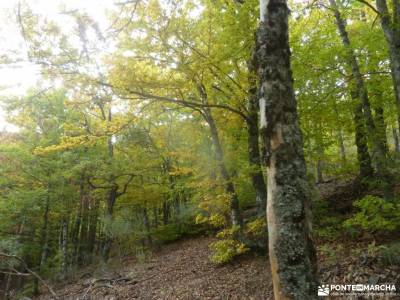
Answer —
181 270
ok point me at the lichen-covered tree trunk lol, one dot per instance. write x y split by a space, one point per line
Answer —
291 249
391 30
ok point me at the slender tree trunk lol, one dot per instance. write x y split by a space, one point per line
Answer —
45 236
173 193
253 145
64 249
291 249
318 171
363 157
236 217
112 197
43 241
341 146
396 140
339 134
391 30
7 287
381 127
94 214
165 212
84 232
378 146
155 216
77 226
146 223
319 163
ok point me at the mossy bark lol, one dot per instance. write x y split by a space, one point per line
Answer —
291 249
390 25
363 157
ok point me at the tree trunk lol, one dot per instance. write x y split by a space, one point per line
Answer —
112 197
94 213
319 163
392 35
396 140
256 174
43 241
318 171
77 226
7 287
381 127
291 249
146 223
155 215
64 249
236 217
341 146
339 134
84 232
45 236
378 147
363 157
165 212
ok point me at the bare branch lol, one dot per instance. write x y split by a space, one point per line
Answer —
186 103
31 272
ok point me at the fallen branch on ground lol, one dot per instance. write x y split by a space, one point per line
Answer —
34 274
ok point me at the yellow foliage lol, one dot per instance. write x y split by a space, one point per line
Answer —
256 227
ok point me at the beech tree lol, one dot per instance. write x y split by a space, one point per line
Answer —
172 119
291 249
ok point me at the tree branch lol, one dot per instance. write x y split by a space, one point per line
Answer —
125 186
30 271
186 103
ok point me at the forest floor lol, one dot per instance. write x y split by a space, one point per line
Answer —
182 270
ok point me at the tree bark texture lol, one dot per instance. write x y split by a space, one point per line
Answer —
291 249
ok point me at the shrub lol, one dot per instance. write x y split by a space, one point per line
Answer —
375 214
174 231
225 250
329 227
257 228
228 247
390 254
